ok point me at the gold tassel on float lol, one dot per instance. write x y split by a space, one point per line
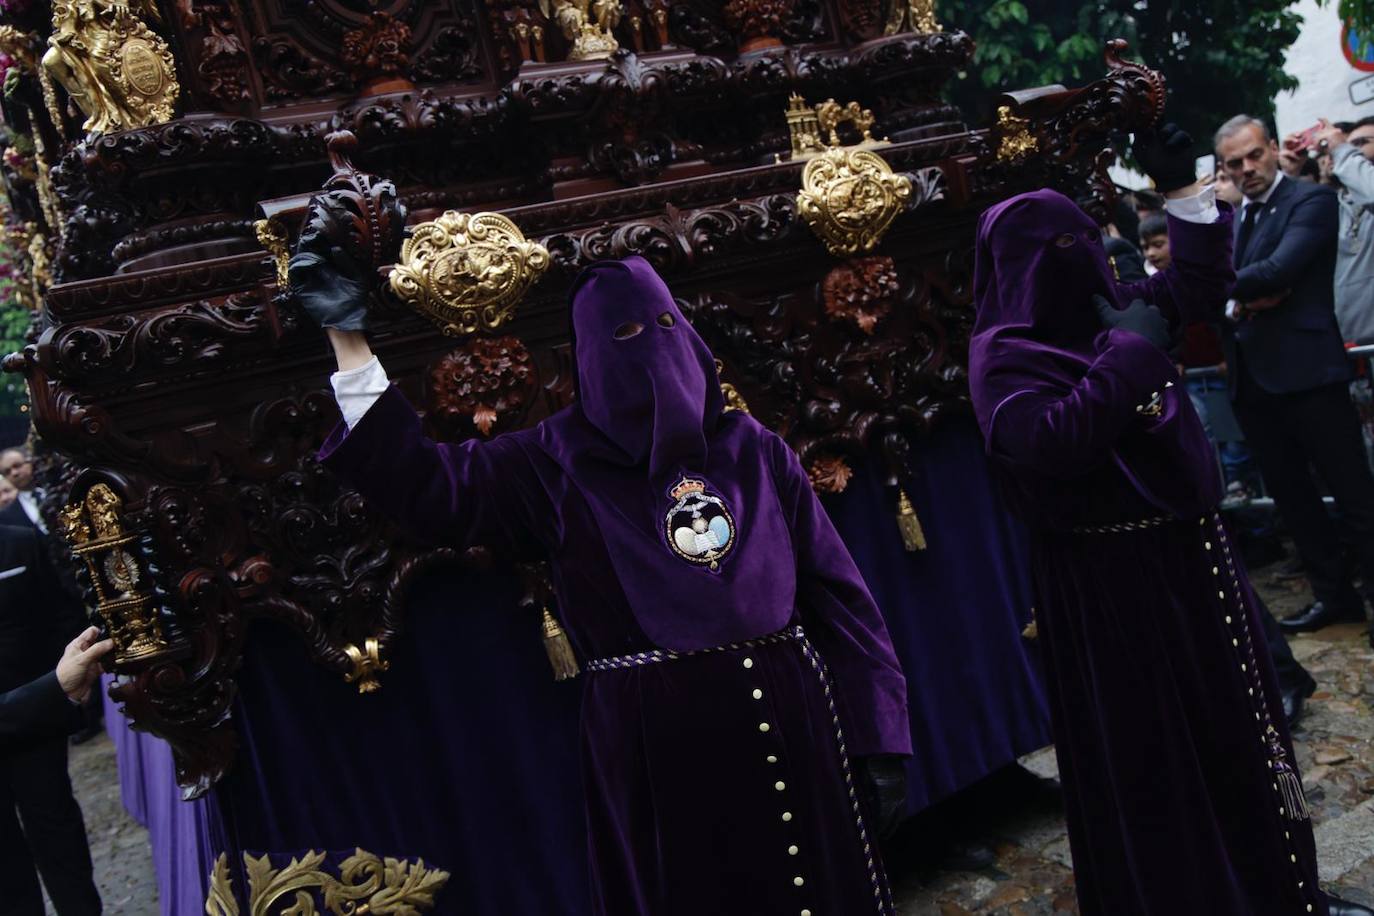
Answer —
913 536
561 656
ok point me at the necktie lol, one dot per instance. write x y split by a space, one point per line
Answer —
1247 228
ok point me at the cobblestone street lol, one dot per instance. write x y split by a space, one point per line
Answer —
1021 820
1015 814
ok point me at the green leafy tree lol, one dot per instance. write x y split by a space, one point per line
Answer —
14 323
1221 57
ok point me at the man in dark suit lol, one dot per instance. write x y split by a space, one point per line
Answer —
49 705
37 617
1289 375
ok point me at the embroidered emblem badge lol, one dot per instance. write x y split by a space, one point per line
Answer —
699 527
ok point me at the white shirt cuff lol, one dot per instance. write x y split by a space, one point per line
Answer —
1200 208
1231 308
356 390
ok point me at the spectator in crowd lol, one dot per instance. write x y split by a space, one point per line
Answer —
16 464
1288 373
1351 154
1154 242
37 617
16 470
1346 151
1227 190
7 493
49 704
1147 202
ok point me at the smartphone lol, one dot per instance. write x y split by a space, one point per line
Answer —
1304 139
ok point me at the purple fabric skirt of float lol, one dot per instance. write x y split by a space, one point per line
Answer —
1177 766
718 782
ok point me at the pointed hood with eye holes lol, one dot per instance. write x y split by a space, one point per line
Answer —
1039 262
650 415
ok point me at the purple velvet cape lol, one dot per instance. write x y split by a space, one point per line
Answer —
1158 676
1036 336
674 759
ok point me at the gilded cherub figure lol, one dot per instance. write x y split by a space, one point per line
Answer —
911 16
587 24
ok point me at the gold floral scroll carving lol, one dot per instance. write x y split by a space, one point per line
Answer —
850 197
1017 140
467 271
366 883
117 69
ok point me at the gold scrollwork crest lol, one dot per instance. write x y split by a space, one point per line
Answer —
849 197
118 70
272 236
1017 139
366 883
467 271
97 537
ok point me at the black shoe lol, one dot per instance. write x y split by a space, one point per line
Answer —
86 734
1339 907
1317 615
1293 569
1293 701
967 856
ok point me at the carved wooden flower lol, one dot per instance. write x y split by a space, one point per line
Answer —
486 381
829 474
861 290
756 18
380 47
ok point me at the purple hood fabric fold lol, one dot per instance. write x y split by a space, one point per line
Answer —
1039 261
650 414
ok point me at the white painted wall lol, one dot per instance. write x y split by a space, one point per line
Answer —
1324 75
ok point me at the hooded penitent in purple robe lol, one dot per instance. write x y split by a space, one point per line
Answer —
735 662
1180 788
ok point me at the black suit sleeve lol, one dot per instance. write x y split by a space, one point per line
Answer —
38 709
68 613
1312 227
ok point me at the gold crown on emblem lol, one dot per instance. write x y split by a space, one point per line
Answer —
688 486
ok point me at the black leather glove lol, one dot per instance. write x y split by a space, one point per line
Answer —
1138 318
1166 155
882 781
329 283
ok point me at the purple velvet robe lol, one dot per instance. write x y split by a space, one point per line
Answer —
715 782
1161 688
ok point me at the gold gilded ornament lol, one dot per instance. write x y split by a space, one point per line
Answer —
586 24
849 198
830 114
467 271
95 531
118 70
1017 140
272 236
909 524
733 399
911 16
804 127
366 883
367 665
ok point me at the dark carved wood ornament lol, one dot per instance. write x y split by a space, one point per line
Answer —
169 366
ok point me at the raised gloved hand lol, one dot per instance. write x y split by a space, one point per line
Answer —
1138 318
1166 155
882 781
329 283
